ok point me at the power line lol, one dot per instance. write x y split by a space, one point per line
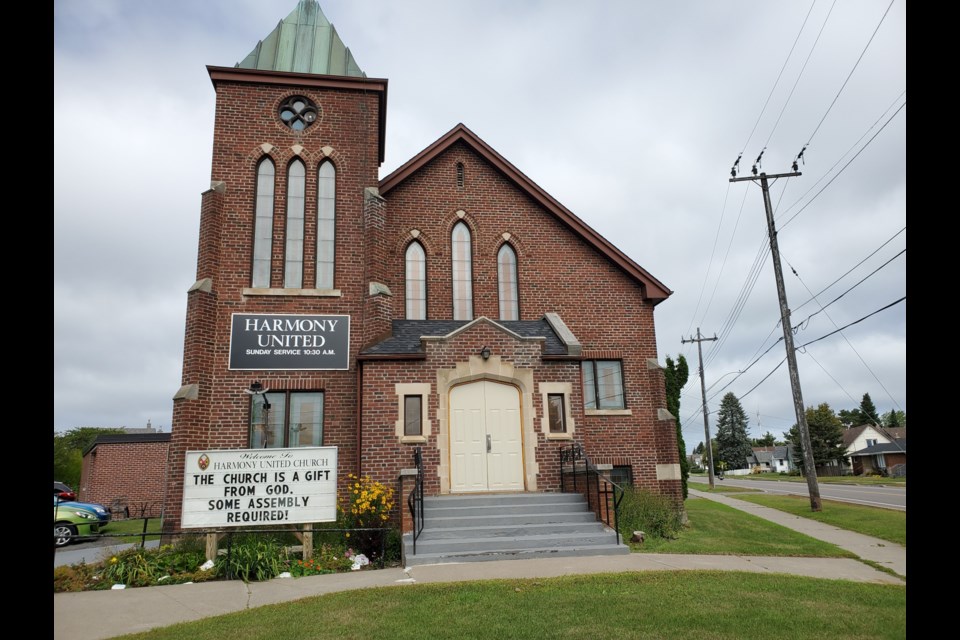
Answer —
810 138
853 323
802 69
872 253
789 220
823 308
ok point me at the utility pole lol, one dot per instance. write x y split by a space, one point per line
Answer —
703 393
808 462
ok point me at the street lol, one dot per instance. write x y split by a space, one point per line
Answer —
887 497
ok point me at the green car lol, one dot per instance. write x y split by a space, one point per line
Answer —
71 521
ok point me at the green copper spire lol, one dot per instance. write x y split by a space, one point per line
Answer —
303 42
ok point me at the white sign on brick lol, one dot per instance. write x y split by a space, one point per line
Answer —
248 487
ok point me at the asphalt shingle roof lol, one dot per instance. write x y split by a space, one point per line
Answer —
407 333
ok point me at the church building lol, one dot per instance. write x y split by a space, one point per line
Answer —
452 307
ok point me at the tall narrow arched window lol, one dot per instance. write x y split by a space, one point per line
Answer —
326 224
263 225
416 282
507 283
296 188
462 273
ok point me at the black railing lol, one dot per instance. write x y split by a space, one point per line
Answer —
579 475
415 498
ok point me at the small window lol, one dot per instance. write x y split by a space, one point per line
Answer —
462 273
263 225
459 174
326 224
871 442
416 286
622 474
602 384
296 190
412 425
286 419
298 113
507 283
557 414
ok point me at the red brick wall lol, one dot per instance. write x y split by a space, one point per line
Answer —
131 474
558 272
246 119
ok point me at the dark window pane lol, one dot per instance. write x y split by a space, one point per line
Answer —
557 416
411 416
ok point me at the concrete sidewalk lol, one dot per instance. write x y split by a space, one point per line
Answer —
93 615
886 554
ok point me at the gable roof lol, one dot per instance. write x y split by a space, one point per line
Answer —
653 289
900 446
407 336
303 42
891 433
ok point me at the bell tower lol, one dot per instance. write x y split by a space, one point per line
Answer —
298 140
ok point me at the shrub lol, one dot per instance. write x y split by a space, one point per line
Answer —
655 514
253 557
368 506
327 558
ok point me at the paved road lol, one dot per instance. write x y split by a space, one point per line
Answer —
887 497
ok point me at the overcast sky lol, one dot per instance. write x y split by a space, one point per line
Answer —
630 113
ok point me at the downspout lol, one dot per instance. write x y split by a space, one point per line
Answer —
359 438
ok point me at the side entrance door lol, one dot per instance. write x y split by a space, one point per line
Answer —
486 447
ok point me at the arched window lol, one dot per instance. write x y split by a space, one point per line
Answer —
416 282
296 188
263 225
462 273
326 224
507 283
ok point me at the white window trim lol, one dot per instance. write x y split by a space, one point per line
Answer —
546 389
414 389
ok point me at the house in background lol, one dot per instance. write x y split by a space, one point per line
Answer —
126 472
875 449
774 459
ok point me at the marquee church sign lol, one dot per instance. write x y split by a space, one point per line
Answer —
289 342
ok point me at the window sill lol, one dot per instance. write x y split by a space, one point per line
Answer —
307 293
413 440
559 436
607 412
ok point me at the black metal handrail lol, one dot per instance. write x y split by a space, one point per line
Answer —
603 497
415 498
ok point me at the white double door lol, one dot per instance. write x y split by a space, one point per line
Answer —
486 446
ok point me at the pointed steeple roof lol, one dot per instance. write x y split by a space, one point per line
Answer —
303 42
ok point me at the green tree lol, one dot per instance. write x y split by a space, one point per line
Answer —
893 419
826 437
700 448
68 451
733 444
768 440
868 410
675 376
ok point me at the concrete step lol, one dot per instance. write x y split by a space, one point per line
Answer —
507 531
494 518
472 528
512 554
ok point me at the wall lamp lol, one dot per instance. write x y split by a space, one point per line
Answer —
256 389
485 352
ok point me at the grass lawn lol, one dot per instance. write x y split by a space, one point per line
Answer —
867 480
886 524
131 526
717 528
719 487
690 605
